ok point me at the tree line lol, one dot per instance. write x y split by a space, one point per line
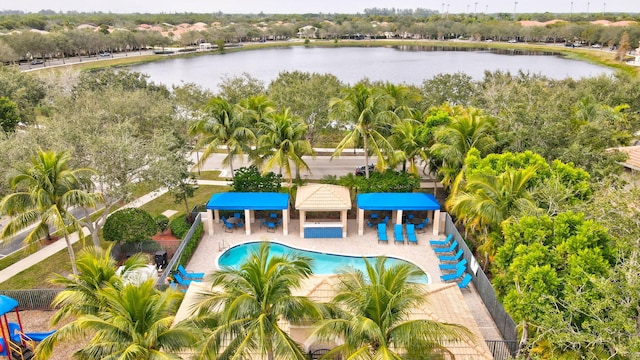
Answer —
65 39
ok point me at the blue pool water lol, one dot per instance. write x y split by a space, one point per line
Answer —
323 264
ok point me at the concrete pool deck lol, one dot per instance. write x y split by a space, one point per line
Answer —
205 258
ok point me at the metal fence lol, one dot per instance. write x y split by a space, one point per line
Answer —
503 321
502 350
176 257
36 299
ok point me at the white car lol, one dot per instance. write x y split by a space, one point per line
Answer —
512 41
597 46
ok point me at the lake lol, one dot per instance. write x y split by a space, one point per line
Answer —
401 64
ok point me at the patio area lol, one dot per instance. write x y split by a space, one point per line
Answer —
210 248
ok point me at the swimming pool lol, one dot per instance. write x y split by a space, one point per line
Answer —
323 264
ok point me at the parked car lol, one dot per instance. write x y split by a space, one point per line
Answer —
360 170
37 62
597 46
105 54
512 41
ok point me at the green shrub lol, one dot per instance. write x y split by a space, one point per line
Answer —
162 221
191 247
249 179
129 225
179 226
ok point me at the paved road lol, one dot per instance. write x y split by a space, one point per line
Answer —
76 60
321 166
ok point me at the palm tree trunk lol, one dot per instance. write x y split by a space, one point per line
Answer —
230 160
366 157
72 255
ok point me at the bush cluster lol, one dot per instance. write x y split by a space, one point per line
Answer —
129 225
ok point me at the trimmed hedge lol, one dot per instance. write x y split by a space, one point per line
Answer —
191 247
179 226
129 225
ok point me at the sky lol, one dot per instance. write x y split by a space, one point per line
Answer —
322 6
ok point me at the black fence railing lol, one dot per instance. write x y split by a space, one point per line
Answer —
503 321
36 299
502 349
173 263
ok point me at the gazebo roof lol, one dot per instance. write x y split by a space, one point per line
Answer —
248 200
398 201
323 197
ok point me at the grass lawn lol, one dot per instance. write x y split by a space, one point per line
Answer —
167 201
210 175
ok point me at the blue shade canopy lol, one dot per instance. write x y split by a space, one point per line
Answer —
248 200
7 304
397 201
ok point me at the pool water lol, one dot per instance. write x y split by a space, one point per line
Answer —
323 264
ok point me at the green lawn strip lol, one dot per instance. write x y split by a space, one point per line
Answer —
38 275
209 175
167 201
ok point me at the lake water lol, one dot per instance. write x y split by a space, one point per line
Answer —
409 65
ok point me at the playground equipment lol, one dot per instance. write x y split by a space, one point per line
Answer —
19 345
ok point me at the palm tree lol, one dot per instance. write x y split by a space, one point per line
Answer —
47 190
371 111
405 99
468 129
488 200
246 304
97 269
283 142
374 310
224 127
411 139
134 322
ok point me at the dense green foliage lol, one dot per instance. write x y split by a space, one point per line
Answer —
130 225
162 221
191 247
179 226
249 179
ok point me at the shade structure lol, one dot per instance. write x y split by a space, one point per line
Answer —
398 202
248 201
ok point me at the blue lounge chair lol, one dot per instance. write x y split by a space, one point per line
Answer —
445 242
458 274
461 263
464 284
397 233
411 234
448 258
189 275
382 233
181 281
450 249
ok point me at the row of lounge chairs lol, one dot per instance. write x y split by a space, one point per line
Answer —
455 265
184 278
398 234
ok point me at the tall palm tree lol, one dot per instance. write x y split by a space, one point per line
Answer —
97 269
45 192
283 143
468 129
371 112
135 322
245 305
405 99
373 315
224 126
411 139
488 200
